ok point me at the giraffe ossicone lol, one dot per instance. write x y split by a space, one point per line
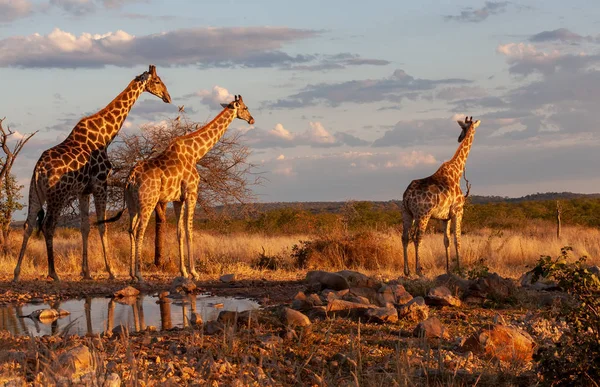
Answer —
438 196
79 167
172 176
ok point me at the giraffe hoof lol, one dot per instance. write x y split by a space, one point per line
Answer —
53 277
194 276
111 276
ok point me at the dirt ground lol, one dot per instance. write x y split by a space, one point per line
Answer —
261 350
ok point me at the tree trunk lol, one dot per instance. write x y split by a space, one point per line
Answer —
558 225
161 222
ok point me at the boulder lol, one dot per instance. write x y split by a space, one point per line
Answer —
330 295
182 285
400 294
129 291
441 296
76 361
327 280
492 287
227 278
382 315
368 293
501 342
359 280
414 310
526 281
431 328
293 318
456 284
385 295
213 327
346 308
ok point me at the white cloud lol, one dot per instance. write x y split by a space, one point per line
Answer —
318 134
281 157
215 97
206 46
14 9
281 132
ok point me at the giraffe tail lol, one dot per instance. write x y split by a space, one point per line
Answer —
113 219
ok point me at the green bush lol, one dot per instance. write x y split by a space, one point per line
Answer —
575 358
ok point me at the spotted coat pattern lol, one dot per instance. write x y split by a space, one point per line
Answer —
172 177
79 167
438 196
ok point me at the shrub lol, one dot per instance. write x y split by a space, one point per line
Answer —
573 359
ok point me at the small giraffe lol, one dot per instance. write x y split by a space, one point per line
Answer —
438 196
172 177
78 167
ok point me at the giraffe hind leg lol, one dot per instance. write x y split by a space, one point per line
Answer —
33 217
407 225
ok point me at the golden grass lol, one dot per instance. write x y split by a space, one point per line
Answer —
509 253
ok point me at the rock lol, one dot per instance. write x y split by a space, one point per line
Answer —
213 327
196 319
331 295
317 313
441 296
227 278
456 284
382 315
229 317
327 280
346 308
301 305
526 281
414 310
112 380
359 280
357 299
44 315
63 313
300 296
76 361
293 318
368 293
491 286
270 341
182 285
431 328
314 300
385 295
120 330
400 294
129 291
502 342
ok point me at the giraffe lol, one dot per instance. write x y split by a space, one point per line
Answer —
78 167
172 177
438 196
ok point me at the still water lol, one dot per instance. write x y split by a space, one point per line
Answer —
96 315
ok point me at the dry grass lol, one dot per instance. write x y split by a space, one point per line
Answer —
509 253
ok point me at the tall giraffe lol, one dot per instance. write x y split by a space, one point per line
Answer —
438 196
78 167
172 177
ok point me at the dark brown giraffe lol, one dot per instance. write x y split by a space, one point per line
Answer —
172 177
438 196
78 167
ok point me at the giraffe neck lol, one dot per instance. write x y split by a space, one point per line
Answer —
460 157
101 128
203 139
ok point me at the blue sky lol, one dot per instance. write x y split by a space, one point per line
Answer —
352 100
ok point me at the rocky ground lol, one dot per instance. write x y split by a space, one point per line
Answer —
333 329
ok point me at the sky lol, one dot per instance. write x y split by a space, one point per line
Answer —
352 99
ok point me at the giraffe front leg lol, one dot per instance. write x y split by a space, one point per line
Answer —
421 228
28 227
177 206
190 205
407 224
139 240
457 236
84 213
48 230
133 224
100 204
447 243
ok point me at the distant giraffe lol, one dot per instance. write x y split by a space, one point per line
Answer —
172 177
438 196
78 167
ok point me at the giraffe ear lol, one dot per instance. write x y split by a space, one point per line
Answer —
226 105
152 70
461 124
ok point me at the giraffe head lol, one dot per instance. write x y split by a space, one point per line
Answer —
154 85
467 124
241 109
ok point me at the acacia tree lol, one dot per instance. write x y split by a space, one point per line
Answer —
9 189
226 175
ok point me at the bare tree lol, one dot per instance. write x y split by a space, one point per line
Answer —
9 189
226 175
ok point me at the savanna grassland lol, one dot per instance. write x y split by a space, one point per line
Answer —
270 253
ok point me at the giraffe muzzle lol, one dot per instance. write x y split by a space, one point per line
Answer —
166 97
251 121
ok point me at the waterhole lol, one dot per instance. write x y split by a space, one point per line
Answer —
99 314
